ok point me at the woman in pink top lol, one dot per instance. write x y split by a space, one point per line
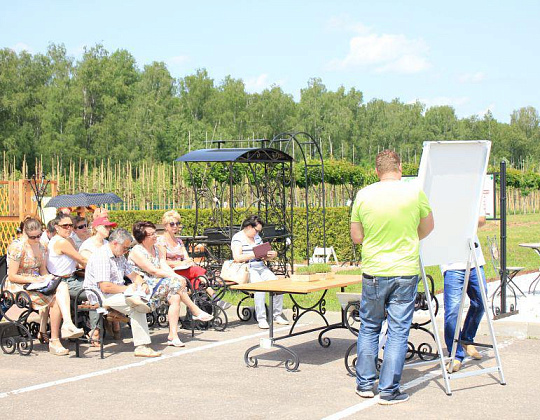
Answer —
178 258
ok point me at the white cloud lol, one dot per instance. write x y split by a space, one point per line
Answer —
345 23
443 100
178 60
472 77
384 53
21 46
261 82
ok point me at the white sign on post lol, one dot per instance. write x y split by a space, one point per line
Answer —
488 196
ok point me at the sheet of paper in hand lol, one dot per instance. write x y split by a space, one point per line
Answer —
39 285
145 297
261 250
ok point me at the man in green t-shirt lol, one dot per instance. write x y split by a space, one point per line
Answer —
388 218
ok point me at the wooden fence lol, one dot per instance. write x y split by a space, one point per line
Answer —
16 201
150 186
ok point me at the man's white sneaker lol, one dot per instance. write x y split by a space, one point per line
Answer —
280 320
366 393
263 324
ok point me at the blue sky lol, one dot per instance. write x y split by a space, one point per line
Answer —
473 55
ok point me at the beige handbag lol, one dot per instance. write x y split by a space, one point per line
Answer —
237 272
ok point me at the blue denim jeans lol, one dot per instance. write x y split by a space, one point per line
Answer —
391 298
453 286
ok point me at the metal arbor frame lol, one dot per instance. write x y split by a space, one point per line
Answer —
313 179
235 183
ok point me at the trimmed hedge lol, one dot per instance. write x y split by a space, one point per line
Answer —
337 226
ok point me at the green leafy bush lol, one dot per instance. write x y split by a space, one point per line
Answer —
313 269
337 227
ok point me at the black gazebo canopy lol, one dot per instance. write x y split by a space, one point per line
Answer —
244 155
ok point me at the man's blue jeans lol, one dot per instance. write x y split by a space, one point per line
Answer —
392 298
453 287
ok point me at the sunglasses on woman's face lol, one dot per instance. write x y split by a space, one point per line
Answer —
34 237
67 226
82 227
177 224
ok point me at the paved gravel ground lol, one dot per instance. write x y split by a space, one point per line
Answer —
208 379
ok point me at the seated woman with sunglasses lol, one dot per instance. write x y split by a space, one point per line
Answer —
178 258
166 286
63 259
27 264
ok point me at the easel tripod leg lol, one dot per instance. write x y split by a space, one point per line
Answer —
489 320
448 390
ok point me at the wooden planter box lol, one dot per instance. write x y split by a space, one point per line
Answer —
312 277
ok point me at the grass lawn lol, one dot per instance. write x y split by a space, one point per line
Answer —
520 229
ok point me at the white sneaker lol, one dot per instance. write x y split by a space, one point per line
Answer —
263 324
223 305
280 320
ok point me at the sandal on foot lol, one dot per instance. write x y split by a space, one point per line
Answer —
71 331
203 316
43 337
94 339
57 349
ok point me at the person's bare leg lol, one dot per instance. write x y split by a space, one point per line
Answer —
43 318
56 320
55 345
64 304
174 315
116 330
194 309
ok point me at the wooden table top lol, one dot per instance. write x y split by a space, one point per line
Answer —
286 285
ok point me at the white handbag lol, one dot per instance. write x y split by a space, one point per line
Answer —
236 272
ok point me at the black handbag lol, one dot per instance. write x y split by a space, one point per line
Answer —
48 290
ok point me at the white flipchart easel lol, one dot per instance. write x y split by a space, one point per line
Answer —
451 174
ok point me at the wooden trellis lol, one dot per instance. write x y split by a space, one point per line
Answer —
16 202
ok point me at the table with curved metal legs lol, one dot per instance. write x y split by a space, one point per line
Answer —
536 248
287 286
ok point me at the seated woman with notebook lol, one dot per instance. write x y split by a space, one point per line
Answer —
27 265
242 245
178 258
167 287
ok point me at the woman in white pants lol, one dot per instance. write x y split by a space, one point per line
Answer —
242 244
